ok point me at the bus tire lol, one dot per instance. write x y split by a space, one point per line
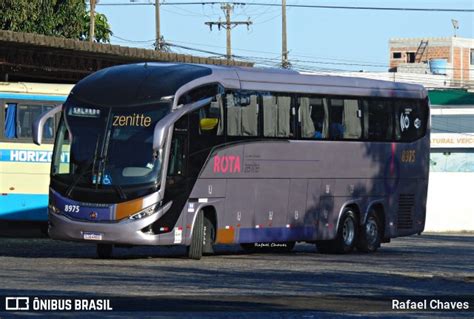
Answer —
197 238
209 235
104 251
345 238
370 234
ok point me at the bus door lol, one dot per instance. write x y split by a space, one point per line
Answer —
178 185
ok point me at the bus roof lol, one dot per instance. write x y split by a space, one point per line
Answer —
35 88
143 83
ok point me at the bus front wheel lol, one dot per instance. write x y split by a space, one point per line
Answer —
197 238
345 238
104 251
369 235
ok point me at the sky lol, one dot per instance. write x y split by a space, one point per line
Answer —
318 39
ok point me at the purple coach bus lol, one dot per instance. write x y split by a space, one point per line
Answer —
197 155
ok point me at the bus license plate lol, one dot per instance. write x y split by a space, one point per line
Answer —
92 236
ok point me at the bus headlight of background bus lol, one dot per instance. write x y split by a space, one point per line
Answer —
144 213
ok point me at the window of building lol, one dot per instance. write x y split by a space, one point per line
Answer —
397 55
19 119
411 57
242 113
472 56
277 117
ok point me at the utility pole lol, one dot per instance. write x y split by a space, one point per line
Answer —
228 25
92 21
284 47
157 25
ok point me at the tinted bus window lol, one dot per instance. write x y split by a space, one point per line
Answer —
345 119
379 120
211 118
410 120
242 114
19 119
313 117
276 116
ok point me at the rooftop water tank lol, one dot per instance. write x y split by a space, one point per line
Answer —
438 66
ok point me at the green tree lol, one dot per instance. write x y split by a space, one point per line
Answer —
60 18
102 30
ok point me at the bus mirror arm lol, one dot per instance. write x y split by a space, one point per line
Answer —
39 123
162 126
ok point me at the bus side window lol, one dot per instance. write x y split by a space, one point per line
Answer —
27 115
276 116
242 114
380 115
313 117
410 120
176 163
211 118
349 120
10 121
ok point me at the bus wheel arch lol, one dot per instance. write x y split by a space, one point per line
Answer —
346 232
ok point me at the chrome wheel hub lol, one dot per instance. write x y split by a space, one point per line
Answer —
348 231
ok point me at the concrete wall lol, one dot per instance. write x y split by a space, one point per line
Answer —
450 202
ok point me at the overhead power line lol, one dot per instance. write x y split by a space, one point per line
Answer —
305 6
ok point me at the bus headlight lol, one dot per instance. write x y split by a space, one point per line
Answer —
54 209
144 213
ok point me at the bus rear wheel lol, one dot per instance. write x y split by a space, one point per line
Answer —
197 238
104 251
370 234
345 238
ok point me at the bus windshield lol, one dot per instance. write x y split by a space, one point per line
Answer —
108 146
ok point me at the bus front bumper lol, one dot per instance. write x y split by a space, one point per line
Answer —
127 231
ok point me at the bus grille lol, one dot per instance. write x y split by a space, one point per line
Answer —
405 211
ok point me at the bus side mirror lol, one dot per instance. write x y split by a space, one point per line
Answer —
38 125
162 126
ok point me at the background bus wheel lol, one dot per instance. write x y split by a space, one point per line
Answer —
195 249
370 234
209 237
345 238
104 251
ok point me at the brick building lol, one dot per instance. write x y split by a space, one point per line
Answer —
414 55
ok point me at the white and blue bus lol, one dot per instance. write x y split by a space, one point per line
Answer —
24 166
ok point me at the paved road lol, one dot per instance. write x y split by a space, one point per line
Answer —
300 284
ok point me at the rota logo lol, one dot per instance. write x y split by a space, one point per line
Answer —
226 164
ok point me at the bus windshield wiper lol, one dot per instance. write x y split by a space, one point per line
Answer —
87 170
